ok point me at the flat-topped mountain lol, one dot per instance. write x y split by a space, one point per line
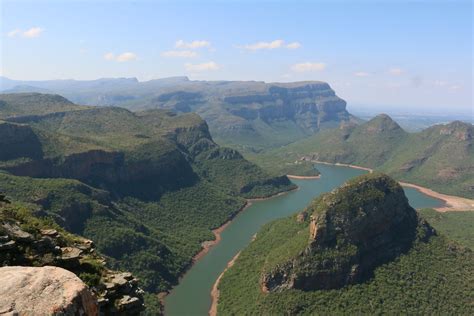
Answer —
244 114
358 249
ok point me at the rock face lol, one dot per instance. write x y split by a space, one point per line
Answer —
44 291
352 230
18 141
108 292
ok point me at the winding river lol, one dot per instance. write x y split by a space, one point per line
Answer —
192 295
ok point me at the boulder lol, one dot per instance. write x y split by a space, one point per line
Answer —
44 291
17 233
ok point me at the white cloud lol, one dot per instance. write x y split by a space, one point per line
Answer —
109 56
396 71
361 74
33 32
128 56
30 33
264 45
179 53
201 67
192 45
270 45
294 45
307 67
14 33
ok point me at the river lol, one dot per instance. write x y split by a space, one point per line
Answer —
192 295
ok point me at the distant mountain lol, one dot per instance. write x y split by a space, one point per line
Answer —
244 114
146 187
360 249
440 157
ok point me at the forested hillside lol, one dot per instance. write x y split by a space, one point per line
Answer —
147 187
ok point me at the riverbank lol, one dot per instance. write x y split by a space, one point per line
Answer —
451 202
208 244
215 289
343 165
303 177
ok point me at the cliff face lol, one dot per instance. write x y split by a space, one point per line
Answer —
122 173
18 141
308 105
354 229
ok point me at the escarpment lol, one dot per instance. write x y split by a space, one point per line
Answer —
352 230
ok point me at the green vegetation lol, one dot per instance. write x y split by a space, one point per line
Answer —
363 250
458 226
245 115
440 157
146 187
433 277
19 104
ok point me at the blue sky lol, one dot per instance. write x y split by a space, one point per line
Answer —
409 54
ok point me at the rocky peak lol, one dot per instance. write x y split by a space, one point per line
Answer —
354 229
460 130
382 123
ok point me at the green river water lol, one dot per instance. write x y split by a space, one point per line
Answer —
192 295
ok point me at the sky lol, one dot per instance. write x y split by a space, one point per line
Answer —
414 55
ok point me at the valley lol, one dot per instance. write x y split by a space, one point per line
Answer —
162 199
196 285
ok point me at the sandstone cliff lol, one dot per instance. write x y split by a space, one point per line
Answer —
352 230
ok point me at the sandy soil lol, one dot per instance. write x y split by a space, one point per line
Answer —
343 165
452 202
303 177
215 290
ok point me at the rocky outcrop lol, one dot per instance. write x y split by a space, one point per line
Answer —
107 292
352 230
44 291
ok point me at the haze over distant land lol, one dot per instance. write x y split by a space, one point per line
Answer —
422 61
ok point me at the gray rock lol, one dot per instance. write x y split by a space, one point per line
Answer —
17 233
7 245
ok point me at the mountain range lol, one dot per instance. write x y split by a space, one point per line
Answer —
147 187
440 157
248 115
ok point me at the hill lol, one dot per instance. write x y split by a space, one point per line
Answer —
359 249
247 115
440 157
147 187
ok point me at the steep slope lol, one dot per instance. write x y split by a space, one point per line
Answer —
247 115
359 249
147 187
440 157
28 241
